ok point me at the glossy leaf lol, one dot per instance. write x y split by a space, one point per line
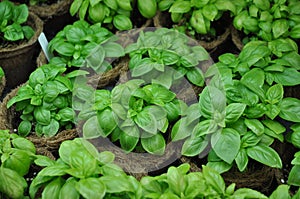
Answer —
155 144
226 144
265 155
290 109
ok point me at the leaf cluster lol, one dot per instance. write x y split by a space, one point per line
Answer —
82 172
82 44
224 130
109 12
133 115
12 19
45 101
166 56
179 183
196 15
17 154
269 20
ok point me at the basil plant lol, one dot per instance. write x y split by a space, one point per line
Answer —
196 16
12 19
17 154
82 172
45 102
221 130
283 191
269 20
165 56
136 115
178 183
82 44
108 12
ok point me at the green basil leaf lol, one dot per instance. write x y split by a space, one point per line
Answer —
226 5
253 52
53 188
241 160
274 94
289 77
113 50
211 100
165 4
254 80
155 144
12 184
280 27
214 179
83 9
205 127
13 32
210 11
28 32
255 126
75 6
295 31
194 146
43 161
248 193
51 129
128 143
180 7
226 144
250 139
23 144
96 58
176 180
91 128
143 67
282 191
66 114
219 166
147 122
262 4
18 161
234 111
294 178
24 128
196 76
116 185
290 109
292 59
107 121
274 126
272 111
295 138
69 190
182 129
65 49
197 21
265 155
122 22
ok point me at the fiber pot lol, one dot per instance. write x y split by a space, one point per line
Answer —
18 61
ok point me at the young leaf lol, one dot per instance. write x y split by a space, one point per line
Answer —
234 111
226 144
180 7
53 188
214 179
91 128
241 160
155 144
128 143
12 184
282 191
194 146
290 109
86 187
275 94
69 190
265 155
255 125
